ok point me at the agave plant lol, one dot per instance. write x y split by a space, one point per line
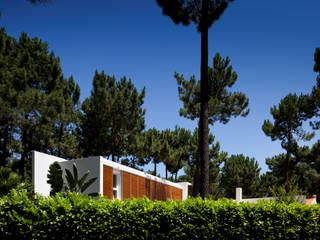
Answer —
74 184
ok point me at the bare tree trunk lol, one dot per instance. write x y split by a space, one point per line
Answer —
203 122
196 177
155 167
166 172
4 146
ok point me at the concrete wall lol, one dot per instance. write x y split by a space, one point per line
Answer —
40 168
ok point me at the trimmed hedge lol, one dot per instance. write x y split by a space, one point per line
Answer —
81 217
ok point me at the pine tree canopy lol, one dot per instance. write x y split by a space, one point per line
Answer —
288 119
187 11
240 171
223 104
37 104
112 117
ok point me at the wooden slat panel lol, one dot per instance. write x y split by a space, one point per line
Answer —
126 185
147 187
134 185
138 187
141 187
108 182
153 190
177 193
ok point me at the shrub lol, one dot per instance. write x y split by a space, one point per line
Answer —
78 216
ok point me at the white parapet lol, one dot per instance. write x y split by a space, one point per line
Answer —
184 186
40 168
238 194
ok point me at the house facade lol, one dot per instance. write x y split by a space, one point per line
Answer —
114 180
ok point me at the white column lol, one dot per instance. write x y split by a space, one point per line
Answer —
238 194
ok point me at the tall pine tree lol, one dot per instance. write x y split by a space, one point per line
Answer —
203 13
222 103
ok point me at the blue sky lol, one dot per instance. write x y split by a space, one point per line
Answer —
270 44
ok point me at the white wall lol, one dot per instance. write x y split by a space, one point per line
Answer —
40 168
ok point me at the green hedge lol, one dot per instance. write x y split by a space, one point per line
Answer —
80 217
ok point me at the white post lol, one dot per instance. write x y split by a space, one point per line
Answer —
238 194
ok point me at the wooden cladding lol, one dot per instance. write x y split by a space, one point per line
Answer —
136 186
107 182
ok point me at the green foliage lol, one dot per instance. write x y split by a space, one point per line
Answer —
74 184
223 104
8 180
176 149
112 117
287 193
80 217
288 117
240 171
55 178
150 147
38 106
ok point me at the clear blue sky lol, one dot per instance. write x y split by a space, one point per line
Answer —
270 44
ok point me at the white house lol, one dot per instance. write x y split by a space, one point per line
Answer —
114 180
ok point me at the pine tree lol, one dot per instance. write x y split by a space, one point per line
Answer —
240 171
36 99
223 104
314 98
177 145
8 95
288 117
112 117
152 147
203 13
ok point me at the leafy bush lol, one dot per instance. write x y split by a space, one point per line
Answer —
80 217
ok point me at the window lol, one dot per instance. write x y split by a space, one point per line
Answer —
116 184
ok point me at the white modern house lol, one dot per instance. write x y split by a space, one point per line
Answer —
114 180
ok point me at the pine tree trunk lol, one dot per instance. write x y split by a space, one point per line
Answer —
155 167
196 177
166 172
203 126
4 146
60 140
